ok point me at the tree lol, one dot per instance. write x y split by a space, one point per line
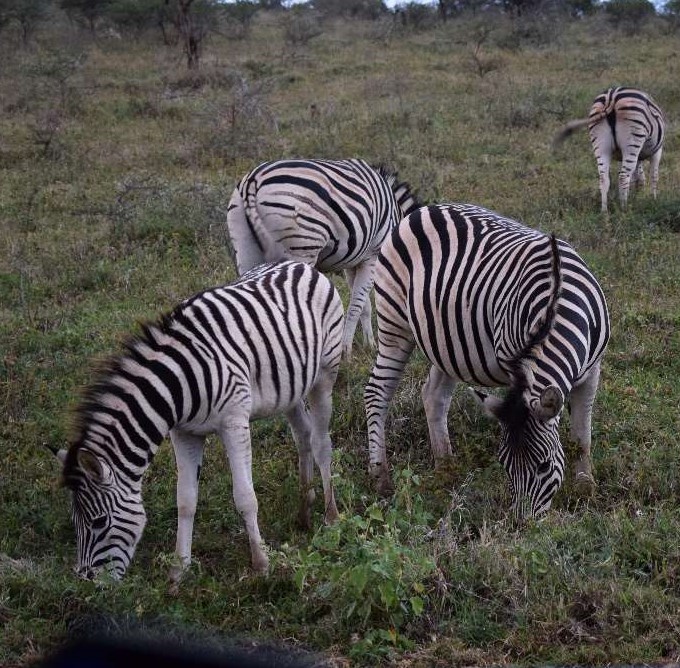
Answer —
629 14
193 20
28 14
89 10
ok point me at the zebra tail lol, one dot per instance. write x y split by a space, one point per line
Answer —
272 250
579 123
548 320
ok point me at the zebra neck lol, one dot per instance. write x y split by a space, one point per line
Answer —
125 431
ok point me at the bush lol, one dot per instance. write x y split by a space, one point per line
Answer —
630 15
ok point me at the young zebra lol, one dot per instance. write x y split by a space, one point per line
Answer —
627 125
333 214
493 303
255 347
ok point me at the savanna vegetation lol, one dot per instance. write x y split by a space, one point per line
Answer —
117 160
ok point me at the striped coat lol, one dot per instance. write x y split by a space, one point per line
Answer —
261 345
492 303
624 124
333 214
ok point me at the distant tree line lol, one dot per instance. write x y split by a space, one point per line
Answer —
188 22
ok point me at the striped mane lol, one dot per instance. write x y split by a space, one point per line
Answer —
407 198
105 371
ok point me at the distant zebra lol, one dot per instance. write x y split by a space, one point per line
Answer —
255 347
333 214
627 125
492 303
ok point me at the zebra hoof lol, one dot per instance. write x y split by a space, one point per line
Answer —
260 563
584 485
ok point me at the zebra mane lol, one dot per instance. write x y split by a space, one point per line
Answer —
520 382
401 189
104 372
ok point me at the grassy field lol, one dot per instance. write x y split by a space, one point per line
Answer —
116 165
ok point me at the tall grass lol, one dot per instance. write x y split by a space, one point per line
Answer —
115 170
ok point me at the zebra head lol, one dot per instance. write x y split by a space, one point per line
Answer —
108 517
530 449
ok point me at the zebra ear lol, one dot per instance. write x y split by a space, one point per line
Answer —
93 467
489 402
550 403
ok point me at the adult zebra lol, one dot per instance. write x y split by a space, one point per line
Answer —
493 303
627 125
333 214
258 346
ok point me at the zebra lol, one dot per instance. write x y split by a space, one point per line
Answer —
625 124
492 303
333 214
258 346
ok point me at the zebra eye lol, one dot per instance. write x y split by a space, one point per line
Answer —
543 467
99 522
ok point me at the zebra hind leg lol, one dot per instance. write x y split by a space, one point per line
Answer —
581 411
298 419
321 406
393 353
436 393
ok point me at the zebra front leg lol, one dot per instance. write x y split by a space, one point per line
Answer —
389 366
298 419
581 411
321 406
236 439
630 152
361 288
436 393
188 457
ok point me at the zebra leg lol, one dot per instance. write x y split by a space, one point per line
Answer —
188 456
393 353
630 152
320 400
361 287
603 146
236 439
298 419
581 410
436 393
365 317
654 171
638 179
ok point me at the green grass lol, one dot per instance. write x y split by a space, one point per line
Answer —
121 217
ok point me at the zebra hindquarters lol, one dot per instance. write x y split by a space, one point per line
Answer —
631 141
247 248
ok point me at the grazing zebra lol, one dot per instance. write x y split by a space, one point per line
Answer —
627 125
333 214
255 347
492 303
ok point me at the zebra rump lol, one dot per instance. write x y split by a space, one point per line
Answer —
624 124
496 304
332 214
261 345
